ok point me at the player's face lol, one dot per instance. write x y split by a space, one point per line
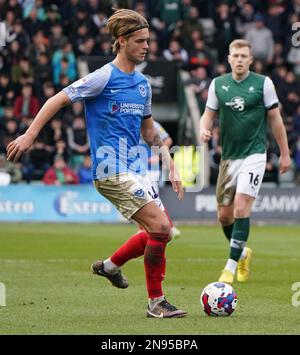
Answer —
137 45
240 60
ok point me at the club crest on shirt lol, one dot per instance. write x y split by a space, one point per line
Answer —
140 193
142 90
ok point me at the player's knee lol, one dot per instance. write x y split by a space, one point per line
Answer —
225 220
165 228
162 230
241 212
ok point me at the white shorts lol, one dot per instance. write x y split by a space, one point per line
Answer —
128 192
240 176
151 187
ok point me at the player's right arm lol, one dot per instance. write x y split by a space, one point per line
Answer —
206 124
209 115
88 87
22 144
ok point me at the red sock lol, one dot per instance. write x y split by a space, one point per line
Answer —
132 248
155 263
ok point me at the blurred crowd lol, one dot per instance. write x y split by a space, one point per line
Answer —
45 38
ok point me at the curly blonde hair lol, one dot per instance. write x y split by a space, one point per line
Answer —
123 23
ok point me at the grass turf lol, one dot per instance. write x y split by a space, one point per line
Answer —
50 289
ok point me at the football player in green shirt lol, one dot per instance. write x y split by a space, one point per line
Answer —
244 102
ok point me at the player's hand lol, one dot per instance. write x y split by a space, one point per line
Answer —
284 163
176 183
19 146
205 135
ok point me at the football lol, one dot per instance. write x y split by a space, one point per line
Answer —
218 299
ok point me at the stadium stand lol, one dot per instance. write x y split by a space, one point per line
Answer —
44 41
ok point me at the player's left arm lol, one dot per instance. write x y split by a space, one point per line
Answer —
274 117
152 138
279 132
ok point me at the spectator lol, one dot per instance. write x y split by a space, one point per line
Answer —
6 90
33 23
275 21
14 6
245 18
296 121
48 90
279 56
261 40
26 104
226 31
19 34
77 141
289 93
293 58
190 24
153 51
106 50
100 20
9 172
52 21
60 174
87 47
258 67
21 68
42 75
201 55
54 132
64 62
175 52
84 172
57 37
199 80
167 15
74 110
40 44
11 131
36 162
61 149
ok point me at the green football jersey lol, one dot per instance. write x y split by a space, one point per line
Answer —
242 115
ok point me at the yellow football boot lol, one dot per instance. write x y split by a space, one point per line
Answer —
243 269
226 276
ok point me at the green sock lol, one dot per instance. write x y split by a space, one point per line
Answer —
239 237
227 230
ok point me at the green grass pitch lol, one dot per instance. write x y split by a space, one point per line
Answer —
50 289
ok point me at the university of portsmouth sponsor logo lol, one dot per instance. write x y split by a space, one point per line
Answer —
142 90
113 107
126 107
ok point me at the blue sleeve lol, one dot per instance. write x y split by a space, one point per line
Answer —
89 86
147 109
